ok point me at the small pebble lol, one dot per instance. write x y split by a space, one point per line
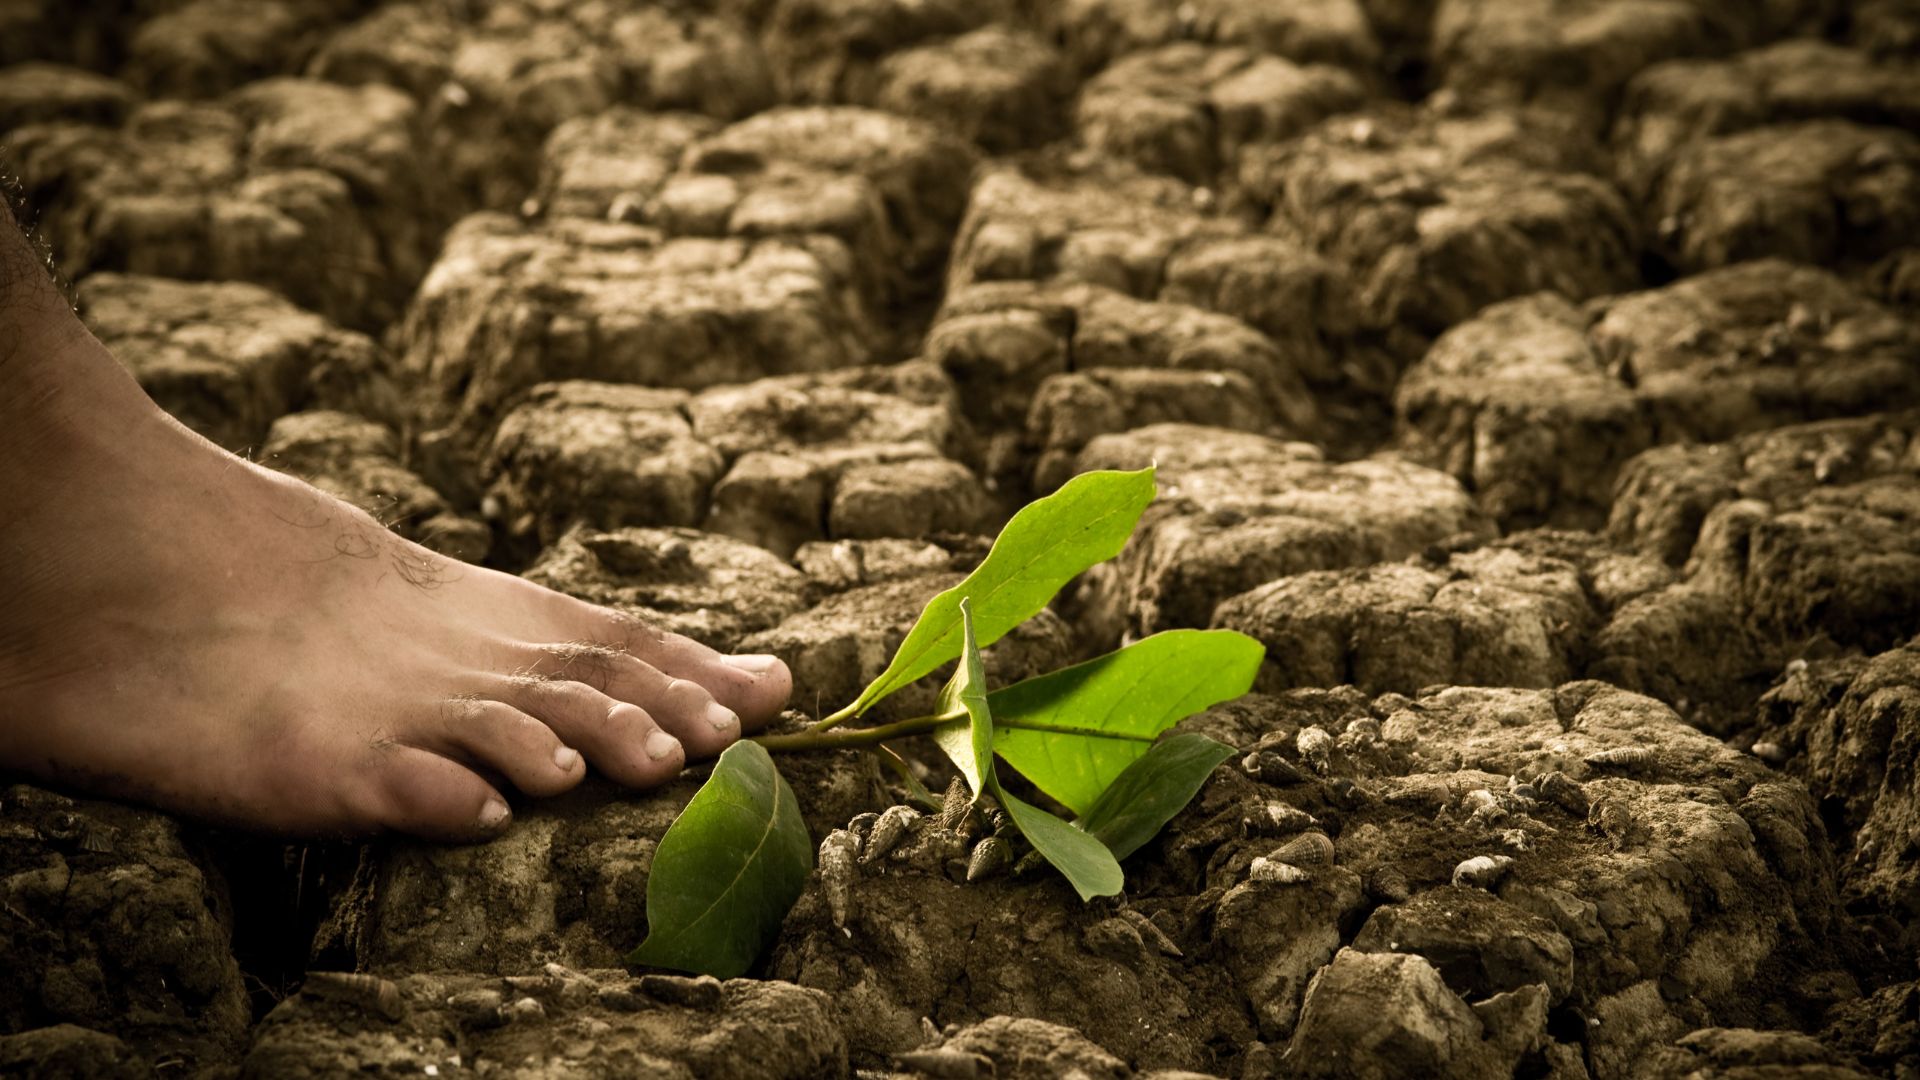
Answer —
1483 871
523 1010
702 992
1265 869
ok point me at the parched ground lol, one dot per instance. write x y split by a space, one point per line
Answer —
1539 380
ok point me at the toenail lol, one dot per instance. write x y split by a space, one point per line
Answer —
755 664
661 745
494 814
722 718
566 758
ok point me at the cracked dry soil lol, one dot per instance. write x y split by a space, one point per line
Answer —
1539 380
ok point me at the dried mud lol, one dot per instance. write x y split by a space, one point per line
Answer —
1536 379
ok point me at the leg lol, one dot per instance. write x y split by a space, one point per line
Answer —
181 627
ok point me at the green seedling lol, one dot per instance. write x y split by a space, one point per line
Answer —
1088 736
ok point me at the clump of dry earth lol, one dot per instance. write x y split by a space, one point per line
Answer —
1539 380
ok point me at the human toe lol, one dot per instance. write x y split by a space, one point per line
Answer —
499 737
754 686
620 739
683 707
425 794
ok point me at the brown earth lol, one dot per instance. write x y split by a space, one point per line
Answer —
1536 379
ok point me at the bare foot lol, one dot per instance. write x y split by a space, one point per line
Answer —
183 628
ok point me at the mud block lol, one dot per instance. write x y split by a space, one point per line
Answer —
1187 109
1401 1012
1301 300
205 48
358 461
228 359
776 500
901 404
1226 524
495 80
38 93
69 1050
1001 343
1874 1028
597 1021
711 588
1032 1049
1895 281
1822 191
1801 150
408 46
1577 54
1114 982
1098 32
786 499
1666 493
1692 648
1755 346
510 305
1727 1049
1504 772
832 51
601 453
1493 617
1071 410
998 343
610 164
1099 224
118 925
1481 945
307 188
1839 562
1671 110
913 498
1520 406
1115 331
852 454
839 565
1847 728
889 189
1436 217
1277 938
1002 89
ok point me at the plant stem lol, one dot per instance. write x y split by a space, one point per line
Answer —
814 738
827 722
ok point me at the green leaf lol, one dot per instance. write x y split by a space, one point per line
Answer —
1043 547
1153 789
1073 731
1086 862
969 742
728 869
1089 866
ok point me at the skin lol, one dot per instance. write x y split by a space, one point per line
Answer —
183 628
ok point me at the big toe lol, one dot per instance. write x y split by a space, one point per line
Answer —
764 691
754 686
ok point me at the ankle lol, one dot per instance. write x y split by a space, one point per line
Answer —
63 393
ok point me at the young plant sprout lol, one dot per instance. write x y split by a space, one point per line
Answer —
1088 736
